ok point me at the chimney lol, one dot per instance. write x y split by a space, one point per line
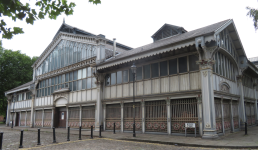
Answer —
114 45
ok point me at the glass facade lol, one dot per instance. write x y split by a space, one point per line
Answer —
66 53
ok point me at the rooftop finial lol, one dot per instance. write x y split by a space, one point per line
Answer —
64 20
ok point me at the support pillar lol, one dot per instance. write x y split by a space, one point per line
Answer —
200 115
122 117
8 112
143 115
43 113
255 104
104 117
32 117
52 120
242 116
67 116
26 119
168 116
209 120
80 115
222 116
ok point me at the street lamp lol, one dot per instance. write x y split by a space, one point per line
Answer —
133 69
14 98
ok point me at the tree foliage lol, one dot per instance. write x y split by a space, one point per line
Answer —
15 70
253 13
15 9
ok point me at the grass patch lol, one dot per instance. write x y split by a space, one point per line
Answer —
1 122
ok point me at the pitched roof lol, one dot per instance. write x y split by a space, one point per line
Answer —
172 26
20 87
170 40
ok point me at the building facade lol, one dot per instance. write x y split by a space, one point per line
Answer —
82 79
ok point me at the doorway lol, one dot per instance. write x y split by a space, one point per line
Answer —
17 121
60 115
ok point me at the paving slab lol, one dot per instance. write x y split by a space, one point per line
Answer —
230 140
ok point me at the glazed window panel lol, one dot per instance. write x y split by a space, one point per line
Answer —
84 73
139 73
155 70
125 76
192 63
89 72
59 79
71 76
84 84
107 79
173 66
93 80
146 71
163 68
119 77
71 86
130 75
182 64
88 83
74 85
113 78
79 84
63 78
75 75
67 77
79 74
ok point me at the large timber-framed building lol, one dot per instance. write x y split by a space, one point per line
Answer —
82 79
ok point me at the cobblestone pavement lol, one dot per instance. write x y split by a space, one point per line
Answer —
12 140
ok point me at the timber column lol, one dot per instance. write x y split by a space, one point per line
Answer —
99 82
255 103
206 53
9 99
241 103
32 89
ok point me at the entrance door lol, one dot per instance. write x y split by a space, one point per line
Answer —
62 119
17 119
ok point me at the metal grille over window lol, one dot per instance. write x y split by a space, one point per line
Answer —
183 111
74 117
218 115
47 118
23 116
248 113
128 117
113 115
28 118
38 120
156 116
88 117
235 115
226 112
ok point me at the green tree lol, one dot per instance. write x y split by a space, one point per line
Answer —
15 9
253 13
15 70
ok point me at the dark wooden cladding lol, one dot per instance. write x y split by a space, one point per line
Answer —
183 111
218 115
128 116
156 116
113 115
47 118
38 120
250 115
88 117
74 117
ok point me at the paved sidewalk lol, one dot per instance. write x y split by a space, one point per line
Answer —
231 140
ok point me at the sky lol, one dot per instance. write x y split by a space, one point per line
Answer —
133 22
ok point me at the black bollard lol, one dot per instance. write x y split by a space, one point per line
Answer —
80 133
21 139
68 134
245 128
91 132
100 131
1 139
54 135
114 128
38 136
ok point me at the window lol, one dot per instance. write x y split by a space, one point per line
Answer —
84 73
139 73
80 85
75 75
71 86
125 76
79 74
192 63
163 68
53 81
89 72
119 77
59 79
155 70
46 82
67 77
63 78
71 76
74 85
84 84
88 83
182 64
113 78
107 79
130 75
173 66
93 82
146 71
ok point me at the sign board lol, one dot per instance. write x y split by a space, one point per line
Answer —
62 116
190 125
